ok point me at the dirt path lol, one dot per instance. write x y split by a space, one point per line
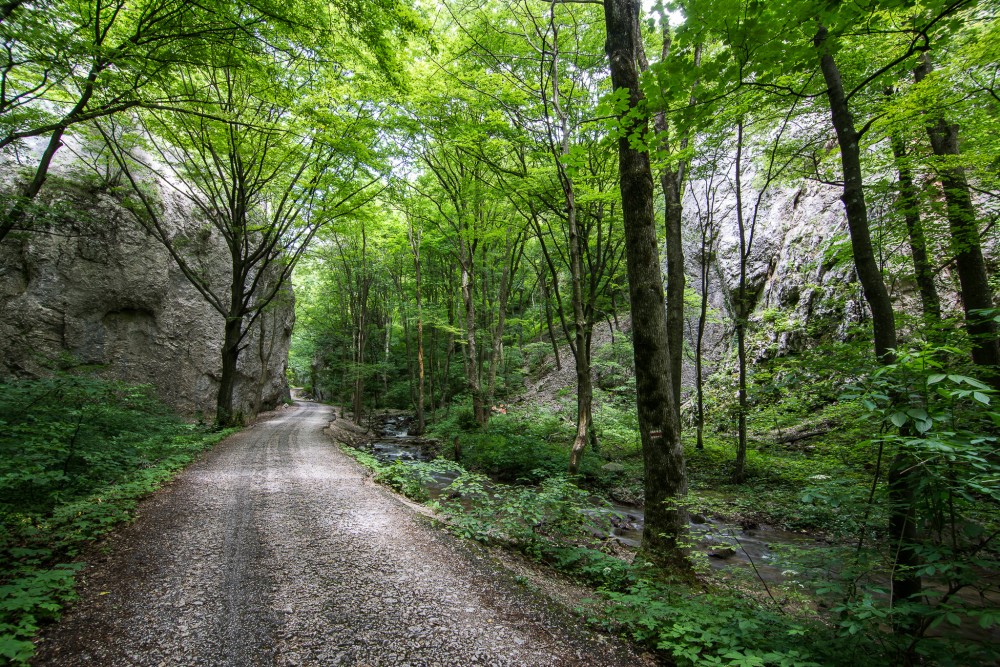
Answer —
275 550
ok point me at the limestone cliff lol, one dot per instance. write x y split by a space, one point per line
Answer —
97 290
800 271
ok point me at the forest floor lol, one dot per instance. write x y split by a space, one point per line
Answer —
277 549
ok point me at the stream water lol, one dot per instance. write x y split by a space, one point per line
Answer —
725 545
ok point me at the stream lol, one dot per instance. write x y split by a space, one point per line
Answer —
725 545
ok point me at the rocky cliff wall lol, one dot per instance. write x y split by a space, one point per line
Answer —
96 290
800 273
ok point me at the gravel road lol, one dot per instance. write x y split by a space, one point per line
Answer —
275 549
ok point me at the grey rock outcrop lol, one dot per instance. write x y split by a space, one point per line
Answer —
801 283
99 291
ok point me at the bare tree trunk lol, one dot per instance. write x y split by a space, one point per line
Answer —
225 415
664 477
907 203
471 356
512 258
872 285
584 387
673 222
876 295
421 420
548 318
742 315
707 250
977 296
449 352
358 395
265 350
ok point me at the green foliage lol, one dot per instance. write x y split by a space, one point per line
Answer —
946 441
696 628
612 365
78 454
531 519
535 355
519 447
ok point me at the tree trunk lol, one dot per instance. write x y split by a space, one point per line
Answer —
18 213
584 389
421 420
511 261
471 356
742 316
548 319
225 415
907 203
903 530
872 285
976 293
664 476
584 402
673 222
707 248
358 395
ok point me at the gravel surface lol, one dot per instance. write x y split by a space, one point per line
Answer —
275 549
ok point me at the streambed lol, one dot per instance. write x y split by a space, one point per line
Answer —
752 551
725 545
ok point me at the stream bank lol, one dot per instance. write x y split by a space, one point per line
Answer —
723 545
766 576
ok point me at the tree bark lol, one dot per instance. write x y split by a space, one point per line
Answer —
903 530
664 476
542 282
673 216
421 424
471 356
907 203
707 250
512 258
872 285
225 415
976 293
742 316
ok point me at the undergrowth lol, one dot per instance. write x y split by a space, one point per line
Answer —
76 455
558 524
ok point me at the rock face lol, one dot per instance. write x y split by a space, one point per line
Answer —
800 272
799 264
101 292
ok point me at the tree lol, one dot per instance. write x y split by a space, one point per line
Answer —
264 188
977 295
551 72
99 59
664 475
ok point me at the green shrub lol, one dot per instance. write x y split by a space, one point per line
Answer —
76 455
695 628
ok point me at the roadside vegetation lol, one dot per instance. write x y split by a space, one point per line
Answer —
819 449
76 456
